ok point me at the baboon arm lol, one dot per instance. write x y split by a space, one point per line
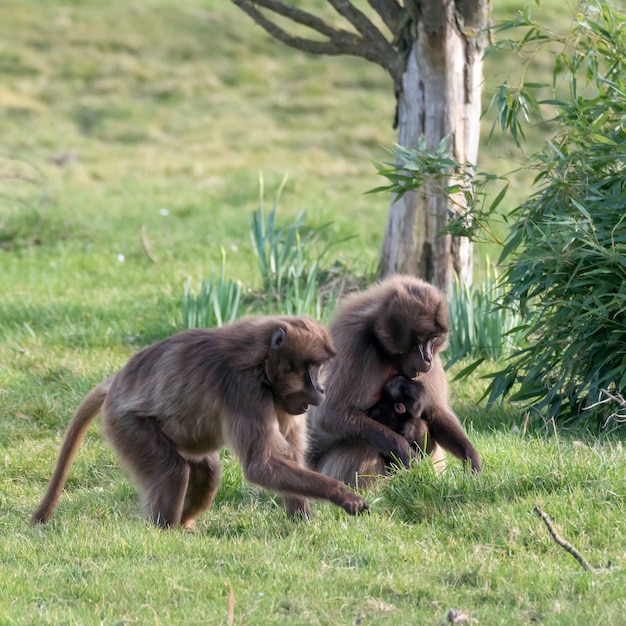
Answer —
447 431
272 461
287 477
355 424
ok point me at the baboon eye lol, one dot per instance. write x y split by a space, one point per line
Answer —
418 342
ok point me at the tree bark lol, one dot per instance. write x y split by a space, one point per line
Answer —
440 97
433 51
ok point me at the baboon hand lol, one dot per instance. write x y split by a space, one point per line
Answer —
476 464
353 504
403 451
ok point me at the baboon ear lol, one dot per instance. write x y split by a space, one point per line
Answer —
278 338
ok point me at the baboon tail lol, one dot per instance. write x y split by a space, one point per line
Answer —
87 411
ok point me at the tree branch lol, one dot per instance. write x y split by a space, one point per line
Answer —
359 20
368 42
390 12
338 42
382 51
296 15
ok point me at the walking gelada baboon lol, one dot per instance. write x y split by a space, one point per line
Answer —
173 406
398 326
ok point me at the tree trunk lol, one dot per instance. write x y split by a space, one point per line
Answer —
440 97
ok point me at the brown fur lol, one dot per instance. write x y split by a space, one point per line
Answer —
399 326
173 406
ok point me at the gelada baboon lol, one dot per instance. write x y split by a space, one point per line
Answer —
402 400
401 407
173 406
397 327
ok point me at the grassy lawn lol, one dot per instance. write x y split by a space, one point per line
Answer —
129 127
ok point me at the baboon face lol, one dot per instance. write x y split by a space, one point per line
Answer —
293 366
413 329
419 359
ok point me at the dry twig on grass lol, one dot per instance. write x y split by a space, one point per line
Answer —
146 244
568 547
619 415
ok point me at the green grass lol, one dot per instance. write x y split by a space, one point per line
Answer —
161 115
430 545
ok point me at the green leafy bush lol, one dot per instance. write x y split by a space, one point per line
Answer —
470 214
565 256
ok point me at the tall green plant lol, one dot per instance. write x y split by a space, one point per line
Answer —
294 281
282 253
215 302
566 251
276 249
289 259
482 328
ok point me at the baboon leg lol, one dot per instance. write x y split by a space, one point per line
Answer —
297 506
416 433
437 458
355 463
204 479
165 495
153 462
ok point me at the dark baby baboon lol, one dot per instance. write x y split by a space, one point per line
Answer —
401 400
397 327
401 407
173 406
